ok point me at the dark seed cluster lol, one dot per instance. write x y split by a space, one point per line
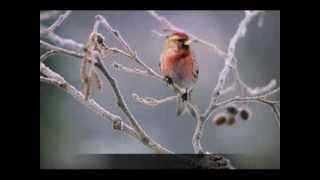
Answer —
232 113
233 110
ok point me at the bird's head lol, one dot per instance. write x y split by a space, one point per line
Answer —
178 41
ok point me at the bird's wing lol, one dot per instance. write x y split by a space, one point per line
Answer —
195 67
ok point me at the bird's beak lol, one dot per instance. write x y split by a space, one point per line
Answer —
188 42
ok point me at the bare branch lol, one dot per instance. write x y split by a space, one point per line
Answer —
91 104
230 64
141 134
167 25
164 21
149 101
44 56
56 24
116 50
59 21
59 41
259 98
101 20
123 106
120 100
230 61
118 124
123 68
133 54
48 15
46 45
201 120
258 94
276 113
273 106
158 33
252 91
198 131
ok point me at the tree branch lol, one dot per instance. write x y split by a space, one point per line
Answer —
59 41
44 56
55 79
48 15
168 26
48 46
230 64
123 106
120 100
59 21
75 49
149 101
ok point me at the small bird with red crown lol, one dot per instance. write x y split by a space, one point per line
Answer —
179 65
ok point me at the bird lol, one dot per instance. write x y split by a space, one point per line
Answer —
179 65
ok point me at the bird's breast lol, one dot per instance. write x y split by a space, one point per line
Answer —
179 67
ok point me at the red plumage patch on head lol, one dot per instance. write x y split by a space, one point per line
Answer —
181 34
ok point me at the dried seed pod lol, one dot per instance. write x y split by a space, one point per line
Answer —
88 74
233 110
219 119
231 120
86 71
244 114
97 80
100 39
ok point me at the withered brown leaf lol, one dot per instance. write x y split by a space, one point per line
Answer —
88 71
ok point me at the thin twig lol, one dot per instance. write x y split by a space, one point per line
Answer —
55 79
59 41
44 56
123 68
149 101
59 21
257 94
145 139
48 15
46 45
230 61
101 20
132 53
167 25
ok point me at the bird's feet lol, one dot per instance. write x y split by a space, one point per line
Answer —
168 80
184 96
187 95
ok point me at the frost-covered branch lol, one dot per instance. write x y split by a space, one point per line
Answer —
48 15
94 51
150 101
133 54
123 68
65 43
57 80
231 65
230 69
120 100
48 46
59 21
44 56
168 26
